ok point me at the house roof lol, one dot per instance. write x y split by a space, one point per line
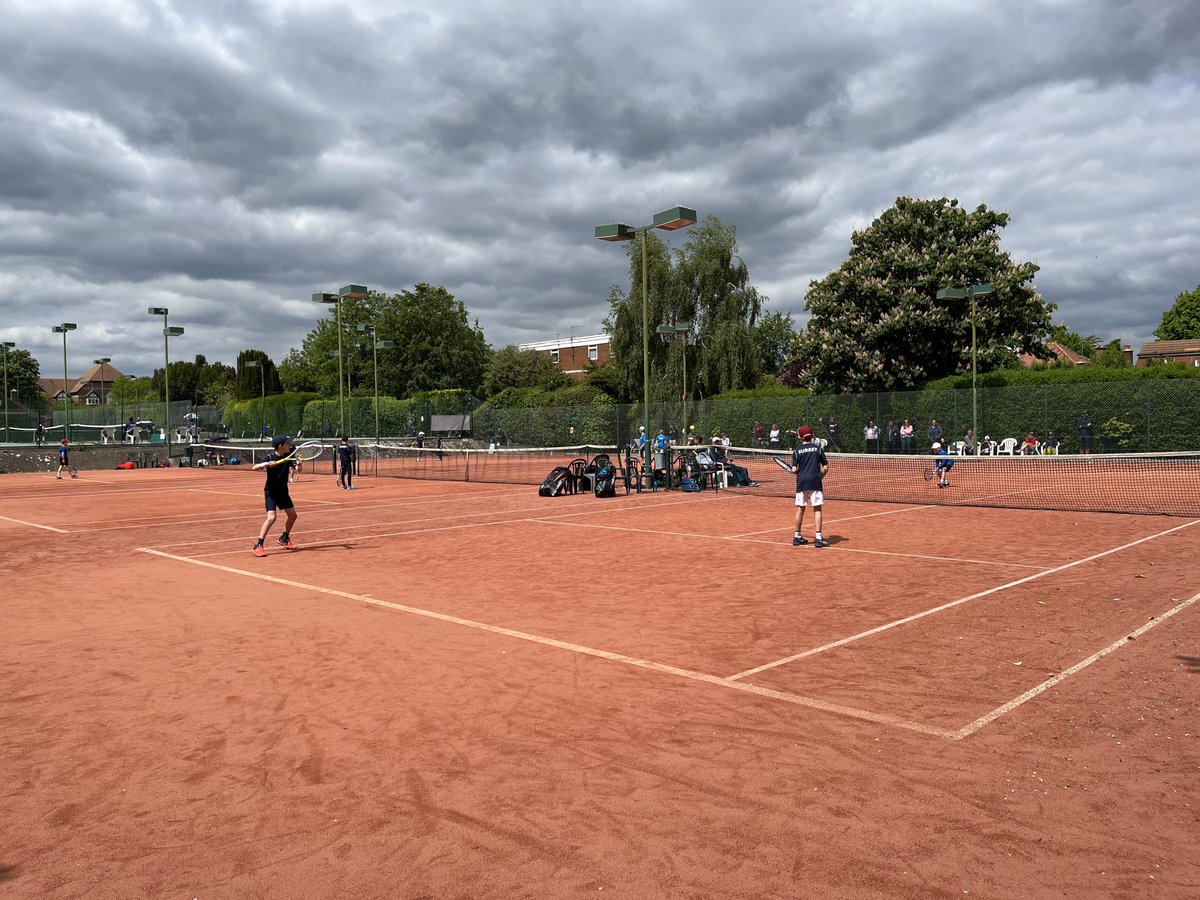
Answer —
1169 348
1066 354
109 374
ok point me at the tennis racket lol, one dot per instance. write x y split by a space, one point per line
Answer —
305 452
74 471
779 462
928 473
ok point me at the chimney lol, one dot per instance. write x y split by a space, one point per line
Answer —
1128 351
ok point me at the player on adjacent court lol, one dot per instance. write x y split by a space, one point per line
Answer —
64 461
277 465
346 453
943 465
809 464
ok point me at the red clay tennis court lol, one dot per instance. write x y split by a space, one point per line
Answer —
461 689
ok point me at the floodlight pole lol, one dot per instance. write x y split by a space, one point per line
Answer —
959 293
353 291
668 220
6 345
63 329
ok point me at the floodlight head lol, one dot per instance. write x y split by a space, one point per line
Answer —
157 311
384 345
951 294
64 327
615 232
252 364
8 345
324 297
983 288
674 218
356 291
366 329
173 331
332 353
102 360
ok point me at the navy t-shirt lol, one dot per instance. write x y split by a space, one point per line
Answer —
277 476
807 460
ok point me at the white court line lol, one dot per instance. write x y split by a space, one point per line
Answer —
408 531
996 713
662 668
34 525
832 521
788 544
929 612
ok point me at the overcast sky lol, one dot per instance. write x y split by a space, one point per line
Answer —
226 159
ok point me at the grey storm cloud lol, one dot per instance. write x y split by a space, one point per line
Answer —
225 160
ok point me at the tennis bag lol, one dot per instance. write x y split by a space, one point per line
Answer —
606 481
556 482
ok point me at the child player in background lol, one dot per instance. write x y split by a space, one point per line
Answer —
943 465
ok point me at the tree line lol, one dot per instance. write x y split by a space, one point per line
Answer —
875 324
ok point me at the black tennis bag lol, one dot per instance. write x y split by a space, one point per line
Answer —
606 481
555 484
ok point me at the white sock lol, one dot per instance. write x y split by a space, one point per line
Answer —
797 534
818 535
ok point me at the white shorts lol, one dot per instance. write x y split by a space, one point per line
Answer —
816 498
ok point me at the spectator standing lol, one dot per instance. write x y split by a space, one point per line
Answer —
936 435
774 438
419 443
969 442
906 436
893 436
1084 426
439 444
39 434
835 434
871 436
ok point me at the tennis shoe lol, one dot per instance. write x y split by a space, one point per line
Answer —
260 550
797 541
287 543
820 542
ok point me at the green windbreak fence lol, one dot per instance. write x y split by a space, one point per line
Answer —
1128 416
1149 416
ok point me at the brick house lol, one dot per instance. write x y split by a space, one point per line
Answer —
574 355
1186 352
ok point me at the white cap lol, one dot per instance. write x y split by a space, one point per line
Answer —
641 428
420 434
937 445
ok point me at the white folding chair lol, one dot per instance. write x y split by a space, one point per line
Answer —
1007 447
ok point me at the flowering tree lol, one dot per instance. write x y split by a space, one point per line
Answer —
877 323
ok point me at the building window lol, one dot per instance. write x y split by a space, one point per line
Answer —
93 400
593 352
554 357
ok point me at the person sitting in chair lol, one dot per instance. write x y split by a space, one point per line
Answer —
1029 446
1050 445
739 476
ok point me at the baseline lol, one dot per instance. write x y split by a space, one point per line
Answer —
929 612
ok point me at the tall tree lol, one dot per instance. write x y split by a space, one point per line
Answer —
876 323
776 341
23 375
251 382
435 346
512 367
702 285
1182 321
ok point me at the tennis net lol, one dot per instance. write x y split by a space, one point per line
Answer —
501 465
1139 483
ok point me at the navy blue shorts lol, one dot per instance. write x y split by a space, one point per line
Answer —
946 464
278 501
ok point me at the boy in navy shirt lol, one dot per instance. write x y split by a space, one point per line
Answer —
276 493
346 452
810 464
